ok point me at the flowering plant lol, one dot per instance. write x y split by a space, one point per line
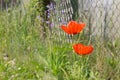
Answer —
74 28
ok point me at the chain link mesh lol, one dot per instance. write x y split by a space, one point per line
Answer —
101 16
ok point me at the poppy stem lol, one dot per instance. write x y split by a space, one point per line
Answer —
85 59
79 35
89 41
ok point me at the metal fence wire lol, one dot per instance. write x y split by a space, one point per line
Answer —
102 17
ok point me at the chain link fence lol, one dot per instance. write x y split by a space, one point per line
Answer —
102 17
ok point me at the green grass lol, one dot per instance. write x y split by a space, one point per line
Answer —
24 55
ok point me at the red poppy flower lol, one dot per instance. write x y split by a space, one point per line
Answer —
73 27
82 49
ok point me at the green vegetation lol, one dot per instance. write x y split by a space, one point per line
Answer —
24 55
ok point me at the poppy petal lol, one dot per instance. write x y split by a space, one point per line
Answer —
73 27
65 28
80 27
82 49
70 23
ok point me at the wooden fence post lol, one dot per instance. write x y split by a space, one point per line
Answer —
74 4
